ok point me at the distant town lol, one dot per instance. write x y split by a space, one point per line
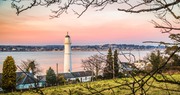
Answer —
20 48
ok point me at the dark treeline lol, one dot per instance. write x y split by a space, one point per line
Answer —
76 47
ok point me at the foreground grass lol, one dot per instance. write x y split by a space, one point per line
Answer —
103 86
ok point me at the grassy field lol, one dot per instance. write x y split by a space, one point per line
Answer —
117 86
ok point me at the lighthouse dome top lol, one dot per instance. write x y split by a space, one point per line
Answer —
67 35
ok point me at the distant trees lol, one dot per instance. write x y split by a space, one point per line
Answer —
156 59
116 63
109 66
50 77
175 60
108 70
111 69
9 74
94 63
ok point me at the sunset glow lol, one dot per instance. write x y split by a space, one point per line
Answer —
33 27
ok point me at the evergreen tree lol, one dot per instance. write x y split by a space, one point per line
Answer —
108 70
50 76
156 59
176 60
116 65
9 74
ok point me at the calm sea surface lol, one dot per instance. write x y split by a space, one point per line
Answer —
50 59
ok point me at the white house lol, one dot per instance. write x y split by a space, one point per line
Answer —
83 76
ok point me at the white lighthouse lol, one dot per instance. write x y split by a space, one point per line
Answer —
67 54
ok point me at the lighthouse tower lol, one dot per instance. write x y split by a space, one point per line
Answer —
67 54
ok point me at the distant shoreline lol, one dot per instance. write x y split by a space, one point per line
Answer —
81 50
105 47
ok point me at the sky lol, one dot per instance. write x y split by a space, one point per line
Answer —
109 26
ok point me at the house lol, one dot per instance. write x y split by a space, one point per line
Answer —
68 76
26 80
83 76
41 81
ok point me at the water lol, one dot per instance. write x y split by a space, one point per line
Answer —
50 59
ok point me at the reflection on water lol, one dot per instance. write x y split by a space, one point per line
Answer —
50 59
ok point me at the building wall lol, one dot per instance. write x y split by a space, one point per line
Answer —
85 79
25 86
81 79
31 85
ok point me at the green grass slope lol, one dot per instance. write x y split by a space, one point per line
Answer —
118 87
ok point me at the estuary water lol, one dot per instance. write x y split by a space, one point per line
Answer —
51 58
